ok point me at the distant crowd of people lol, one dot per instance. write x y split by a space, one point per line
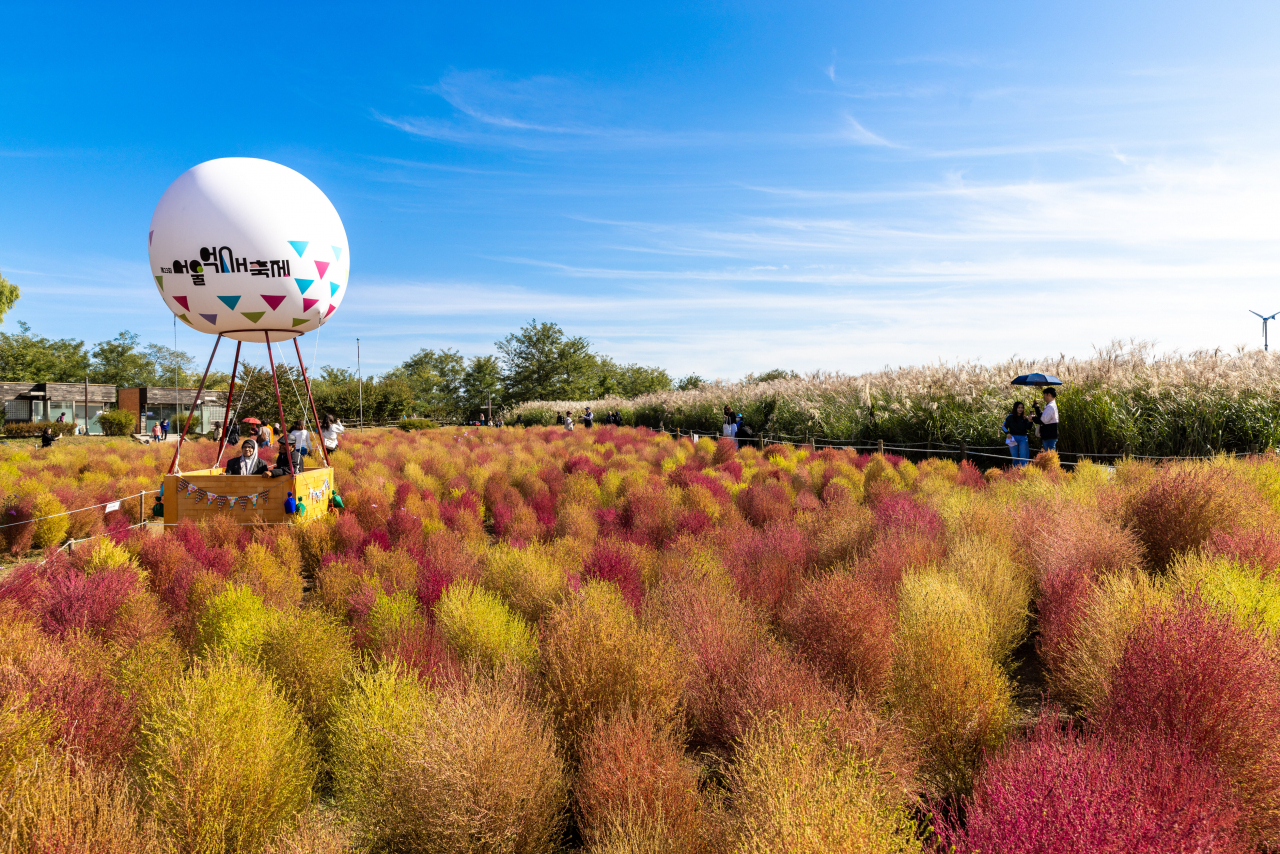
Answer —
293 446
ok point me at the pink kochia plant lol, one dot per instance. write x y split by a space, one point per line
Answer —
1197 679
90 602
1063 792
609 561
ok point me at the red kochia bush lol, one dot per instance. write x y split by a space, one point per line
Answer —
768 563
844 627
609 561
1259 548
1181 507
765 503
1198 679
24 585
1060 792
89 602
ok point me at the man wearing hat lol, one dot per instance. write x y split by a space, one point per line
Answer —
288 452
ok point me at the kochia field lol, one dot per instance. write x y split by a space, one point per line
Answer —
609 640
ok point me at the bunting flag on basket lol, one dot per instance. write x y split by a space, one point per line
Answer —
212 498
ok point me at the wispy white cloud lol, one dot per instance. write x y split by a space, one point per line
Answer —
857 133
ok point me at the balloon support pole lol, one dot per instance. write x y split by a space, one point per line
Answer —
173 466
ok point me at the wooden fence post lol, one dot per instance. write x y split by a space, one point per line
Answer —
880 447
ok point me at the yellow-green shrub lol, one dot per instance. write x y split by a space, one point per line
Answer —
55 804
226 760
52 529
795 787
233 621
596 656
1003 587
952 695
309 653
380 707
482 629
530 580
478 772
258 569
1241 591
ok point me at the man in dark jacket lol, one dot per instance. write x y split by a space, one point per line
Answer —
248 462
287 450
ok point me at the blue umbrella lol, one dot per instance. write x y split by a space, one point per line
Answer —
1036 379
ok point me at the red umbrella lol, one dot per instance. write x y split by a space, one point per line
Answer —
250 421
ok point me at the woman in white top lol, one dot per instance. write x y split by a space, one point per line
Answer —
301 438
330 429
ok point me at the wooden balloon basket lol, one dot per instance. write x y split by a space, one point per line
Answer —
248 499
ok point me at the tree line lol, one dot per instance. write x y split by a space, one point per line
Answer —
538 362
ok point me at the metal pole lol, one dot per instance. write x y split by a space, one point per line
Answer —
86 404
173 466
279 402
314 412
226 416
360 376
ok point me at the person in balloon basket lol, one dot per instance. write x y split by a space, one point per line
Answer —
248 462
1016 426
288 451
1048 420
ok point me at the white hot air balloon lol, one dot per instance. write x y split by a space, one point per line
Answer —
248 249
251 250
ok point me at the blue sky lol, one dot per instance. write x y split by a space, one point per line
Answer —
715 187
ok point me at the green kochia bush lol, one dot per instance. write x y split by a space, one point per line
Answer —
226 761
484 630
234 621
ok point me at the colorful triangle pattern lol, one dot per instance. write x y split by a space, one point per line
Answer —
254 316
212 318
308 303
337 253
182 301
298 321
160 282
322 266
330 311
183 318
299 246
229 302
333 288
272 300
303 284
150 234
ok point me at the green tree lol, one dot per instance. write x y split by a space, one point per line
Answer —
119 362
691 382
628 380
9 294
482 379
435 379
541 363
29 358
170 367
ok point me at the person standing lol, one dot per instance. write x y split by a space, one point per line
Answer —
233 433
299 436
330 429
1048 420
164 430
155 432
62 419
568 419
588 417
1015 427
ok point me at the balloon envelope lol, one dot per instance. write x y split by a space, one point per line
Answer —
246 248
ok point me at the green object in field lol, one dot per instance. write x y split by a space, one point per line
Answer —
335 501
157 510
299 509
